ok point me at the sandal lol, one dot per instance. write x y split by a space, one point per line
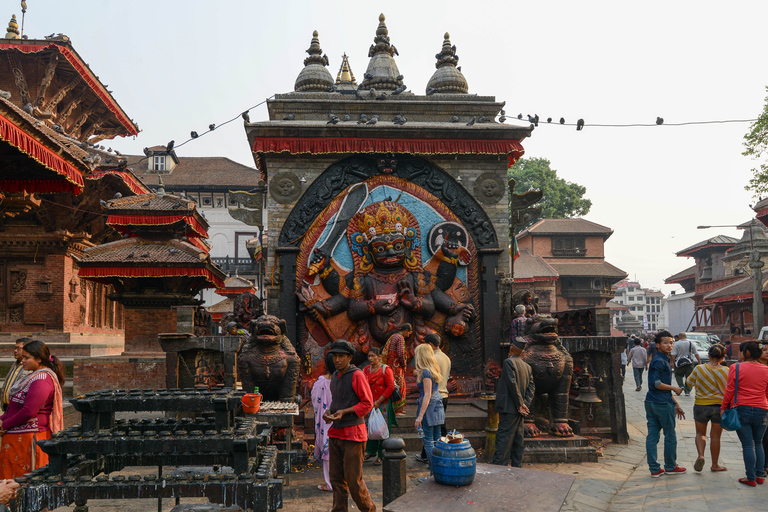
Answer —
719 468
325 488
377 462
699 464
368 456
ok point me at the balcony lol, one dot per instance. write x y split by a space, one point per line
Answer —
241 265
603 293
569 253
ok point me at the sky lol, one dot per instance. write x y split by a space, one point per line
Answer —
176 66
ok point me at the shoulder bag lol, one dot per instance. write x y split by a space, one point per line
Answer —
687 359
396 395
729 418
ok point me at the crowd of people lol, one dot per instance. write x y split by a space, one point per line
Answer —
31 400
742 386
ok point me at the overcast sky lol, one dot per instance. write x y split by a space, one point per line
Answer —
177 66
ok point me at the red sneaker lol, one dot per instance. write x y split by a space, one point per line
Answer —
657 474
677 471
751 483
760 480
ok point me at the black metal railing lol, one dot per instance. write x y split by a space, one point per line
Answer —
229 265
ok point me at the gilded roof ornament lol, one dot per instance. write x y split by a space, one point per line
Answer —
314 77
345 75
448 79
13 29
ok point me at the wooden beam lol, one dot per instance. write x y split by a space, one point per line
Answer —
50 69
18 76
60 94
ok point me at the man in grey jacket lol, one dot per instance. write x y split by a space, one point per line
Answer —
514 394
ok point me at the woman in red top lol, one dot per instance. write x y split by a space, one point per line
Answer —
35 410
752 406
394 356
381 378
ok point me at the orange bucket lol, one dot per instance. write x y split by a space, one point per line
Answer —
251 402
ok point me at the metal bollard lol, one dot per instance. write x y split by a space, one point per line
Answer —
491 426
393 470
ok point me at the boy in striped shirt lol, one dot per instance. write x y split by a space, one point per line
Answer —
709 380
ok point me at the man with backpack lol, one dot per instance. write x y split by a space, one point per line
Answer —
684 359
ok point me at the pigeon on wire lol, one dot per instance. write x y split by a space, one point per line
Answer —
534 120
659 121
549 119
246 116
562 120
212 126
193 134
503 116
579 125
169 146
520 115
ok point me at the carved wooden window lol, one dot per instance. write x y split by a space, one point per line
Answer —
569 247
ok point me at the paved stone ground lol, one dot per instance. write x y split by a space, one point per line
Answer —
620 481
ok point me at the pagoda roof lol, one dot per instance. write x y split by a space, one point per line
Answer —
566 227
77 85
688 273
530 268
136 257
235 285
740 290
588 269
714 244
154 209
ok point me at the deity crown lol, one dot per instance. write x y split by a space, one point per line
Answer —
388 219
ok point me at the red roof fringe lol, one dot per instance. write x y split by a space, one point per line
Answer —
85 74
28 145
103 272
121 223
323 145
229 291
135 186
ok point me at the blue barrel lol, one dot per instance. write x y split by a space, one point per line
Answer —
454 464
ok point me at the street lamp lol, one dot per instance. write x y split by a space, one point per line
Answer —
756 264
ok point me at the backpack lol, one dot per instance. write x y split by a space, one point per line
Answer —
687 359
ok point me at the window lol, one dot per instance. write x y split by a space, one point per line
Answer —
631 298
206 201
571 247
159 164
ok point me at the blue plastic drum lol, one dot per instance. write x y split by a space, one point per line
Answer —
454 464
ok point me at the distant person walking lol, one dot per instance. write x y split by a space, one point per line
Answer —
393 355
639 362
661 409
16 372
321 401
684 358
709 380
751 400
514 395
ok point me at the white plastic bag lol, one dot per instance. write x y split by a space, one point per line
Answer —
377 427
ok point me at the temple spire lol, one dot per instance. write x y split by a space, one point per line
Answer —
13 29
314 76
448 79
345 75
382 72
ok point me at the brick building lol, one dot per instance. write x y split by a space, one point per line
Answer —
574 249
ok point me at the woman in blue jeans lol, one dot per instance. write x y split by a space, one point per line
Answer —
429 406
750 397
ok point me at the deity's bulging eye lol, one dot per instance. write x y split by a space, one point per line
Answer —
399 246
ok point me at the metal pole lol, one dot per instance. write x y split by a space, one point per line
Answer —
393 470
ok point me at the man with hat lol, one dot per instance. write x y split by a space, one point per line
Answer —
352 400
514 395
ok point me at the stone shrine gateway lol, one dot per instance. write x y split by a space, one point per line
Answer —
387 207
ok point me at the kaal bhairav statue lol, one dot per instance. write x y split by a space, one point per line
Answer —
267 360
552 367
389 286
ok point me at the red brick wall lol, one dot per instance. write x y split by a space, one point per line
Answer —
96 373
142 327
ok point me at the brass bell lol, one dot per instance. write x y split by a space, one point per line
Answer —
587 394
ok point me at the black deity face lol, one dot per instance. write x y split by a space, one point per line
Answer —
388 250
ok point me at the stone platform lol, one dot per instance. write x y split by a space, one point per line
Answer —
550 449
495 488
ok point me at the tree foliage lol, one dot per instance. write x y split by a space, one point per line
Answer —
561 199
756 144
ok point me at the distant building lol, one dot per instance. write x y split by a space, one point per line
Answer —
574 249
644 304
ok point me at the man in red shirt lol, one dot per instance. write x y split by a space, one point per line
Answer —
352 399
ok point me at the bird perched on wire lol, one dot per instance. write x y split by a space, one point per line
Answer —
193 134
534 120
363 119
289 117
549 119
562 120
334 119
579 125
454 119
399 90
374 119
246 116
382 96
659 121
212 126
346 117
471 121
520 115
169 146
503 116
431 91
400 119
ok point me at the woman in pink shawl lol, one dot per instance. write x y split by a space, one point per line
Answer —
34 412
321 400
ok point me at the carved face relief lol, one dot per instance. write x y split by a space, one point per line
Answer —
489 188
388 250
285 187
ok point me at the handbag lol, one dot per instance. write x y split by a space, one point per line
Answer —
687 359
396 395
729 418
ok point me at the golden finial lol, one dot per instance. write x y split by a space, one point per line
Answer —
13 29
345 75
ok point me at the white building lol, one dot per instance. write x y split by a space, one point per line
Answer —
643 303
